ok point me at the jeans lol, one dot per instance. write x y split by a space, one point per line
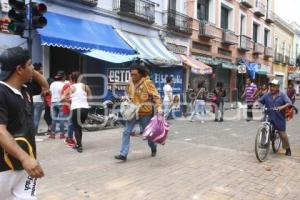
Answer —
143 121
198 107
219 107
167 110
57 117
38 108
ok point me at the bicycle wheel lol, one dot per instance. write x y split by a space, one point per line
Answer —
262 144
276 142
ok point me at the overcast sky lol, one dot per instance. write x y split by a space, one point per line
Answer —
288 10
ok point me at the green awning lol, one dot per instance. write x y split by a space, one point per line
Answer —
214 61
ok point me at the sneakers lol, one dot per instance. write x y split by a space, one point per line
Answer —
62 136
288 152
120 157
52 136
70 142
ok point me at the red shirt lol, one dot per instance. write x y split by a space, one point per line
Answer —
66 103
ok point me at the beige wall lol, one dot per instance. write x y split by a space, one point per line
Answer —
283 35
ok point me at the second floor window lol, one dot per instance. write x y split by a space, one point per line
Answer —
224 18
203 9
266 39
255 32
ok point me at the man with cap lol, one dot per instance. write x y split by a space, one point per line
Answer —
56 105
280 101
19 168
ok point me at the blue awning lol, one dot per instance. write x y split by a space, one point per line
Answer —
73 33
110 57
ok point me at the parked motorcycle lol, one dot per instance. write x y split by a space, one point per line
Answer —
103 116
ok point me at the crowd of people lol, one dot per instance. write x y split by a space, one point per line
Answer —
25 93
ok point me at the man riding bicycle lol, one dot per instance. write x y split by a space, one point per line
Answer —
279 101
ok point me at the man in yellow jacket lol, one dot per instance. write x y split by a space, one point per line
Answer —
142 92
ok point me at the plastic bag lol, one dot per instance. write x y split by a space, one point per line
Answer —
157 130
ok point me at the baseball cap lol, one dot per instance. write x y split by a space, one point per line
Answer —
274 82
10 58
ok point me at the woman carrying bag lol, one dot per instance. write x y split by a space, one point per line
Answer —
143 94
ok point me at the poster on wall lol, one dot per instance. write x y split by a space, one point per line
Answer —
159 76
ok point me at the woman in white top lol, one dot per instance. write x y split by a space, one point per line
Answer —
80 93
168 98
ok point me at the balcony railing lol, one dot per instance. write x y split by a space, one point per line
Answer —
88 2
259 9
141 10
269 52
229 38
270 18
278 58
247 3
208 30
245 43
178 22
258 48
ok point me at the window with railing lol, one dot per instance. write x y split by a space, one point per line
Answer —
178 22
142 10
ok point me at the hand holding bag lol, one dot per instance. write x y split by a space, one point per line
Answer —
129 110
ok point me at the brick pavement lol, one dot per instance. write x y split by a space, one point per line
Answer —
209 161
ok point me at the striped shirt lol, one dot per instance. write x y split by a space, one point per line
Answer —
250 90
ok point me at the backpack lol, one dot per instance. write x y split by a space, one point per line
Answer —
289 113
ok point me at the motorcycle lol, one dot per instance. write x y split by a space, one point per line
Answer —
103 116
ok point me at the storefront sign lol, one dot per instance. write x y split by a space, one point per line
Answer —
242 69
159 76
118 79
177 49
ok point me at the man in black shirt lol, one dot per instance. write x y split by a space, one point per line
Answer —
17 141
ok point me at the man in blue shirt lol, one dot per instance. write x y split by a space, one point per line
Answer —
279 101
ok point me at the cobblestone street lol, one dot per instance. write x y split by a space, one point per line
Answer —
207 161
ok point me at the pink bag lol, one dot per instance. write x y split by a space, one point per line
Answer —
157 130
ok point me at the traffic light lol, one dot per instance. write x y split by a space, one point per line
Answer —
17 15
37 11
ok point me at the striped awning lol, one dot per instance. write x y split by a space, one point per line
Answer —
149 48
197 67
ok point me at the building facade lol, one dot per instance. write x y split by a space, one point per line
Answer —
224 32
283 44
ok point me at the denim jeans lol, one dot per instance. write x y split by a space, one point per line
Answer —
198 107
57 117
38 108
219 107
168 110
143 121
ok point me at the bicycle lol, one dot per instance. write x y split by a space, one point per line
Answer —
266 134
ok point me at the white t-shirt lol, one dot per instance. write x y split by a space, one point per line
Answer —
55 89
168 91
